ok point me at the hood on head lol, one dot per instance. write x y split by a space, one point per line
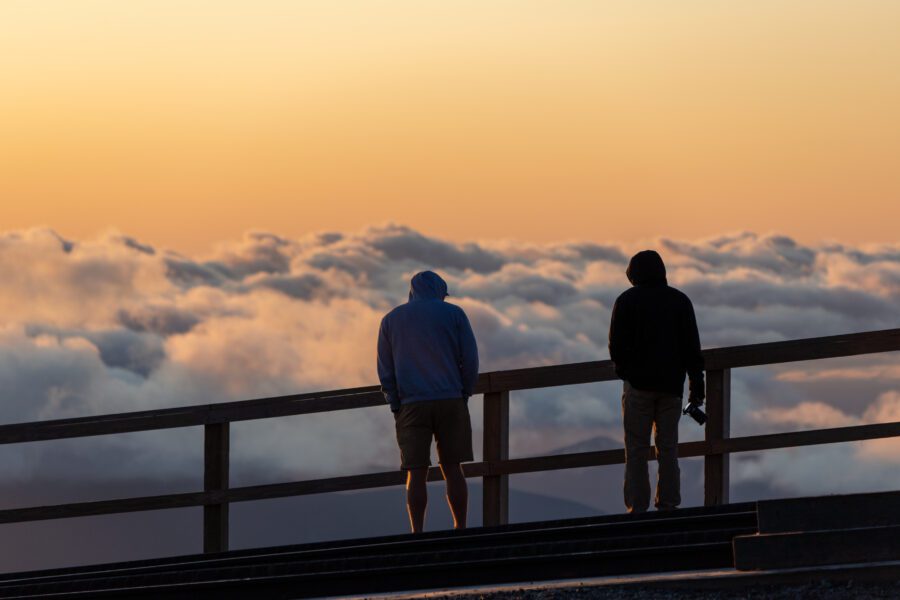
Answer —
427 285
646 268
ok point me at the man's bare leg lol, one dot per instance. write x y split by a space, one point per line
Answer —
416 497
457 494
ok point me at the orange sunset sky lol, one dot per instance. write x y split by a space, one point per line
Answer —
184 122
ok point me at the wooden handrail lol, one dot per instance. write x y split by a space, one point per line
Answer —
497 467
496 381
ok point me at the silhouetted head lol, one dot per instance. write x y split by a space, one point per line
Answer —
427 285
646 268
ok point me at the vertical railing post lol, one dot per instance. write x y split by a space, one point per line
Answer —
215 477
495 502
718 427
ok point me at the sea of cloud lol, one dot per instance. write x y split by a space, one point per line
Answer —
115 324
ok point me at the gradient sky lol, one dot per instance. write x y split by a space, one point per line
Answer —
190 121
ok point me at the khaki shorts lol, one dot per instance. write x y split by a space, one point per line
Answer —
446 420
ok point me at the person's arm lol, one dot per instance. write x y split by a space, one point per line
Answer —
693 356
386 373
620 328
468 355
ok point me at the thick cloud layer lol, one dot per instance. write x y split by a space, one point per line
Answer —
115 324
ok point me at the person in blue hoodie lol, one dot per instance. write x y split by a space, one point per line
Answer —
428 366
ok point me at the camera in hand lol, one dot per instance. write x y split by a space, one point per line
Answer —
695 412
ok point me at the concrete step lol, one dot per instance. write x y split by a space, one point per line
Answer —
285 586
816 548
716 527
678 540
736 516
829 512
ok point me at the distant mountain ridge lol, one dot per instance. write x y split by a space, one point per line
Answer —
594 444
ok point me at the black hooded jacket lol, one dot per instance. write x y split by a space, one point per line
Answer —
653 338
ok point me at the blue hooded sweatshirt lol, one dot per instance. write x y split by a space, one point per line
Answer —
426 348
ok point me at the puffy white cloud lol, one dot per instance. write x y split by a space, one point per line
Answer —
865 373
773 253
810 415
116 324
859 466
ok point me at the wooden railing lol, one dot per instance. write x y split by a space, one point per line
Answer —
496 466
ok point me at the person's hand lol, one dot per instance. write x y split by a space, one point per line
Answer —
698 393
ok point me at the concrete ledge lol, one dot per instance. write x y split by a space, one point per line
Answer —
829 512
815 548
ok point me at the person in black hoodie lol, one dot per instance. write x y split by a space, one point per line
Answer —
653 342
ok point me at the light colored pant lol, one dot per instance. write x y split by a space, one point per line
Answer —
644 412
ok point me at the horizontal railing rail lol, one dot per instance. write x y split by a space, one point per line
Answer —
498 381
496 466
